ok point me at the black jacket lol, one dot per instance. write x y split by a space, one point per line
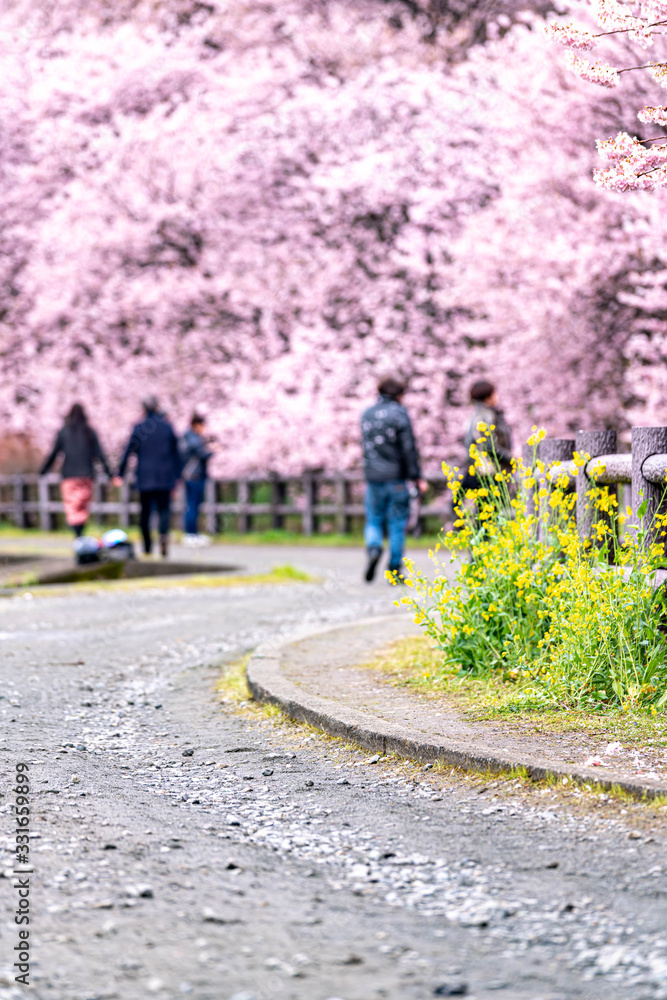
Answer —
81 448
158 461
388 442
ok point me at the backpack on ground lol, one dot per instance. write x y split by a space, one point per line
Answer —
86 550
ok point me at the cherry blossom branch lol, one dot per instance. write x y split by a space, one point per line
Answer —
622 31
629 69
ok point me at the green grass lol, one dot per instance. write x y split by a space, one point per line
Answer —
278 536
95 528
278 575
273 536
234 691
233 685
414 663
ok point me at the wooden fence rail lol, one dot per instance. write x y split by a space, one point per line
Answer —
644 467
319 501
314 501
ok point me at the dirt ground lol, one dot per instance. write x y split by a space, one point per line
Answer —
180 848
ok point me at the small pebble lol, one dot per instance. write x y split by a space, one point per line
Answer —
267 772
188 753
139 891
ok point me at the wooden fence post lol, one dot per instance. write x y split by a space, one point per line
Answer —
528 452
647 441
242 498
593 443
278 497
210 519
19 517
548 451
310 497
43 497
342 520
551 450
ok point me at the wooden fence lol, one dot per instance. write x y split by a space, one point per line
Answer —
312 503
318 502
644 468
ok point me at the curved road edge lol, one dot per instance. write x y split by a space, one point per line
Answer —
268 683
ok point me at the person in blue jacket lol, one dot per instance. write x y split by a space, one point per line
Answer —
158 469
195 453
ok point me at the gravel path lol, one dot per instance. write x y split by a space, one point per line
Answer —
181 849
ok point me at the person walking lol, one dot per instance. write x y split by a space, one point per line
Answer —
158 469
497 443
195 453
391 461
79 444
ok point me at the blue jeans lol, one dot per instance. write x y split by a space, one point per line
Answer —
387 510
194 494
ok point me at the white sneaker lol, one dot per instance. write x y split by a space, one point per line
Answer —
202 540
190 541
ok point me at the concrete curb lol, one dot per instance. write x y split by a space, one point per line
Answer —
268 683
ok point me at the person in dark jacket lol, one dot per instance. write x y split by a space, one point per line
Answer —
391 460
496 444
80 446
195 453
158 469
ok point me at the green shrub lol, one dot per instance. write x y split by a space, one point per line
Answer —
574 621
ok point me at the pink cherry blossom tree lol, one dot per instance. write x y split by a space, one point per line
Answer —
626 31
259 208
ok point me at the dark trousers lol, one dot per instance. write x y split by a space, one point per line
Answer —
149 499
194 494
